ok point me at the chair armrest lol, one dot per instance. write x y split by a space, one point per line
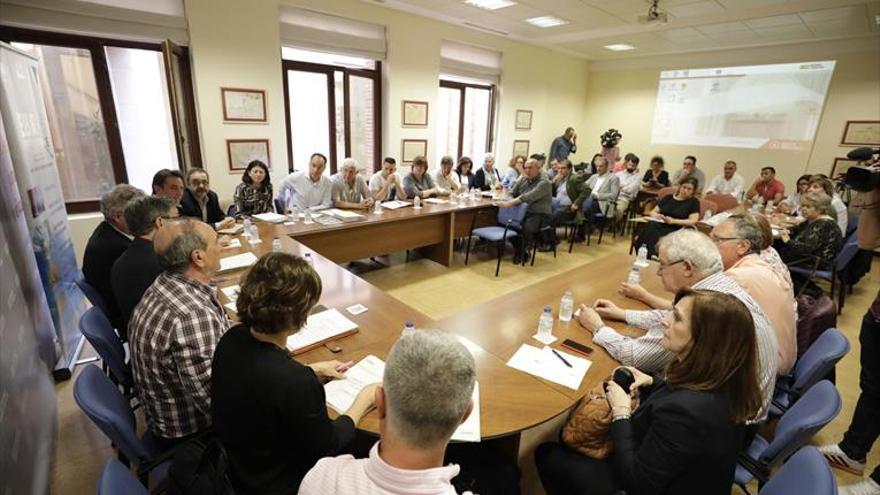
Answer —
758 469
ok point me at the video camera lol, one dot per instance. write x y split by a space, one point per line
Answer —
864 177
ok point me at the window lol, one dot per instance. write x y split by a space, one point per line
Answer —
332 104
109 111
465 119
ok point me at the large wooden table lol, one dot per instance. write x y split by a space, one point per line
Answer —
511 401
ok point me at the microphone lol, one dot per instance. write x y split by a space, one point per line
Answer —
862 154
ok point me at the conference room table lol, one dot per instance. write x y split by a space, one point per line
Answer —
511 401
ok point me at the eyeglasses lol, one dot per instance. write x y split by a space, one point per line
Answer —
664 265
717 240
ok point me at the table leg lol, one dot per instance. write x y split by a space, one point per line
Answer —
442 252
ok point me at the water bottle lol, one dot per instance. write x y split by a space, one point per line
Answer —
643 254
566 306
635 277
707 215
307 218
255 233
545 323
417 202
453 198
408 329
308 258
377 208
769 206
276 245
246 231
294 214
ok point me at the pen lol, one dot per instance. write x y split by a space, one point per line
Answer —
561 358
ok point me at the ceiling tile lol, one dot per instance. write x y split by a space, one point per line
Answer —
774 21
722 27
748 4
706 7
784 33
737 37
833 14
840 27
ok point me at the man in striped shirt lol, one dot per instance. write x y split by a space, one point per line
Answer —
687 259
174 330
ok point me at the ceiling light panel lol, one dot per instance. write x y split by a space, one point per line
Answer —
619 47
490 4
546 21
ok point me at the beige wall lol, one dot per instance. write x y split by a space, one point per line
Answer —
623 95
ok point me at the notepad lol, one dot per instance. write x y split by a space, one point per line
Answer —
544 364
393 205
320 327
469 431
238 261
271 217
342 393
234 230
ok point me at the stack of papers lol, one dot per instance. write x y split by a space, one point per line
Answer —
436 201
319 328
543 363
238 261
327 220
234 243
234 230
271 217
393 205
345 215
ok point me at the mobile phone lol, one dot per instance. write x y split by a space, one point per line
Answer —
577 347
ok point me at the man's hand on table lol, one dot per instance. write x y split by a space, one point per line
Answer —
589 318
607 309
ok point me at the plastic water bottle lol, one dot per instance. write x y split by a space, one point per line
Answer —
276 245
566 306
635 277
769 206
294 214
307 218
545 323
408 329
246 231
417 202
377 208
642 257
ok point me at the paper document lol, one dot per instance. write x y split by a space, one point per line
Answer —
436 201
469 431
393 205
271 217
319 327
341 393
716 219
231 292
234 243
234 230
543 363
238 261
344 214
231 307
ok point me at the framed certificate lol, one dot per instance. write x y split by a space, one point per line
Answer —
861 133
523 120
243 151
411 148
841 165
521 148
244 105
414 113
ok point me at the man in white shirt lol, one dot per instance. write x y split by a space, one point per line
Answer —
729 182
445 178
630 183
350 190
308 190
386 184
425 394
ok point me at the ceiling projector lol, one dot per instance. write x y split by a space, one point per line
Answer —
654 15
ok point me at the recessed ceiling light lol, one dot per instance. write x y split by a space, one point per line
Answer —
546 21
619 47
490 4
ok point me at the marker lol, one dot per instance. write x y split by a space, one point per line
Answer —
561 358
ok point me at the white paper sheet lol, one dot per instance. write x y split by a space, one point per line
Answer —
231 307
234 230
469 431
320 326
344 214
271 217
544 364
231 292
436 201
233 243
341 393
238 261
393 205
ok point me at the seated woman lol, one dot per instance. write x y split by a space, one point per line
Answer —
254 194
792 204
673 212
656 178
464 172
768 253
817 239
269 410
514 171
686 435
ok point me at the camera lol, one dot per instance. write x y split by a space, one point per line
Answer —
864 177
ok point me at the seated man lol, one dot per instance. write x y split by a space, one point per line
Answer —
418 183
350 190
729 182
308 190
689 169
174 330
169 183
570 191
446 178
386 184
425 394
535 189
107 243
687 259
135 270
630 183
739 240
605 188
199 201
767 187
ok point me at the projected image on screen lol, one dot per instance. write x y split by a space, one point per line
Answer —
760 106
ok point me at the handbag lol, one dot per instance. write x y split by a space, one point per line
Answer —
587 428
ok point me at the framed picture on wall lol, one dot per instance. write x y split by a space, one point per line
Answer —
841 165
243 151
523 120
521 147
414 113
861 133
244 105
411 148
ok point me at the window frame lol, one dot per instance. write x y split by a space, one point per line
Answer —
329 70
462 87
96 45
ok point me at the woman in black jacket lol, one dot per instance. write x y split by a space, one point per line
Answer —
685 436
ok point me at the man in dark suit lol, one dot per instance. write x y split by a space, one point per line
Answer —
109 240
138 266
199 201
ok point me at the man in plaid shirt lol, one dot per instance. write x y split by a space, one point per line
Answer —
174 330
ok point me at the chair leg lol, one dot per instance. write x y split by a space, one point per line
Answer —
574 229
602 230
534 251
500 251
842 296
467 255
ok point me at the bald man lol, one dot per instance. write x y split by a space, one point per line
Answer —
174 330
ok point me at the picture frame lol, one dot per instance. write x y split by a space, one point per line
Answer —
521 147
411 148
861 133
523 120
246 106
841 165
414 113
240 152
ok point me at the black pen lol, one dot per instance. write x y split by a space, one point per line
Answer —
561 358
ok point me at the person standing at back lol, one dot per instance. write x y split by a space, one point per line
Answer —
564 145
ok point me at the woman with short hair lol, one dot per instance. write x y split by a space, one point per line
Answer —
686 434
816 240
269 410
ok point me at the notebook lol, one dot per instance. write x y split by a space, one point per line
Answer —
320 327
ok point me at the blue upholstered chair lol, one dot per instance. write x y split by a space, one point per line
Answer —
805 473
100 334
510 221
814 365
117 479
